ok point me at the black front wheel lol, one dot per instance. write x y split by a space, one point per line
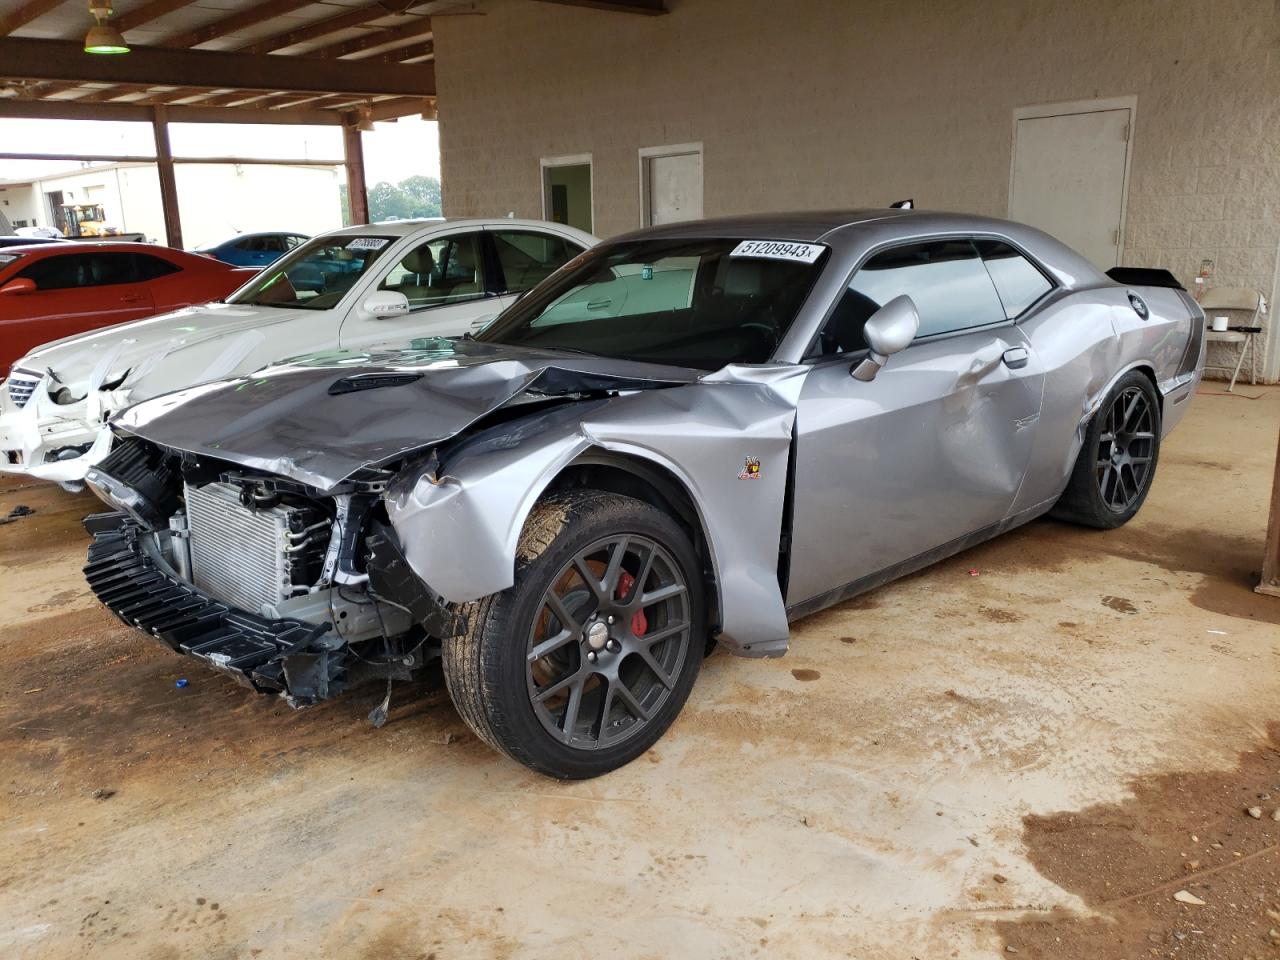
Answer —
1117 462
582 665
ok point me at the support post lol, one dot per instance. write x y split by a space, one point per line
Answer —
168 182
1270 581
353 154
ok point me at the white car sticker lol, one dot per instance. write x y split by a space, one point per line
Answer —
779 250
367 243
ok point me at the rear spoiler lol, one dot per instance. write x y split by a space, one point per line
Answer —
1145 277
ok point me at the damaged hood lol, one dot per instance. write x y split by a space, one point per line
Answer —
320 419
212 337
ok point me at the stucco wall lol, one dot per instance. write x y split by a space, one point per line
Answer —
815 103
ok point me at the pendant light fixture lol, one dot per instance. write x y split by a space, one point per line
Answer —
102 36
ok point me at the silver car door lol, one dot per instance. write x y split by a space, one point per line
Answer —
445 281
930 452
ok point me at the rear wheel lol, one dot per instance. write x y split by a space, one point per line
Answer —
1117 462
582 665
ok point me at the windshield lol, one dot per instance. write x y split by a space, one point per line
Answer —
700 303
315 276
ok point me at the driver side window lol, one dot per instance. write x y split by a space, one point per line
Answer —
440 271
945 278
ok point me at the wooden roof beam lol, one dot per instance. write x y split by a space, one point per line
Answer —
418 51
62 61
331 25
27 12
146 13
649 8
70 110
382 38
255 14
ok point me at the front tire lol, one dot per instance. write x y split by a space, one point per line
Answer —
1117 462
582 664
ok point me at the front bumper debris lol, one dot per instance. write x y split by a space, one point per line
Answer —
301 661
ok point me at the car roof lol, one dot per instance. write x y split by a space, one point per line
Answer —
405 228
809 226
800 225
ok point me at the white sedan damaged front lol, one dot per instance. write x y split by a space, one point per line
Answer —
50 432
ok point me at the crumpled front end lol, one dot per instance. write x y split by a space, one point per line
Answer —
49 434
286 590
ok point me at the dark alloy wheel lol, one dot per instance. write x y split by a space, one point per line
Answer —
609 642
1117 461
584 662
1126 449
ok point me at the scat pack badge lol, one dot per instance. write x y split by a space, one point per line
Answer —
751 469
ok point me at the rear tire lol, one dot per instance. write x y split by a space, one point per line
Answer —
1117 462
582 664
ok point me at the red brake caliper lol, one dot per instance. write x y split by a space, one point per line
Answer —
639 622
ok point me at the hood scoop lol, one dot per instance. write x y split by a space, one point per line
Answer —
371 381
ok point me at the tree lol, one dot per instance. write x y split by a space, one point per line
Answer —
423 194
412 198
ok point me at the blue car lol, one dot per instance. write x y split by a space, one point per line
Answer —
254 249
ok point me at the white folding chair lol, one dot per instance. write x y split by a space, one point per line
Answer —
1240 300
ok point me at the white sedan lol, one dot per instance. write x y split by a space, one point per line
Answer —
385 284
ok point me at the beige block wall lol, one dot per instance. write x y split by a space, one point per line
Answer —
841 103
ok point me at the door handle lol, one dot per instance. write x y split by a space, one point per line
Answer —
1015 358
132 298
599 304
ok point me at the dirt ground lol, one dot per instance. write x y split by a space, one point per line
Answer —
1029 760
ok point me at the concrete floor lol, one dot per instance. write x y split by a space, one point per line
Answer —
855 799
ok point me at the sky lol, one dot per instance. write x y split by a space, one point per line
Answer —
392 152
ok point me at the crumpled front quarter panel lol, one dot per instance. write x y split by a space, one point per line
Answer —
461 526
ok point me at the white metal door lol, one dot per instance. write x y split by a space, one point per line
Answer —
1069 179
674 187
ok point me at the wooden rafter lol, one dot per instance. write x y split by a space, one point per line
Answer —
258 13
419 51
128 21
649 8
61 61
184 93
147 12
381 38
70 110
329 26
26 13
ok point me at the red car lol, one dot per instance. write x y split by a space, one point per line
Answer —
50 291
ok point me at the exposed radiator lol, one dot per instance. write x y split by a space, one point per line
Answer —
250 558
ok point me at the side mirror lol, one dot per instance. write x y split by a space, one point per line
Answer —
385 304
15 287
888 330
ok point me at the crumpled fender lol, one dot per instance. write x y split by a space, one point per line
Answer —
459 518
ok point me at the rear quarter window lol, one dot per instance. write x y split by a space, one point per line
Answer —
1018 281
152 268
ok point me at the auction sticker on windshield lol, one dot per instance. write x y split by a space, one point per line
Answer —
367 243
779 250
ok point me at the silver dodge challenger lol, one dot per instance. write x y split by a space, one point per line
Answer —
691 435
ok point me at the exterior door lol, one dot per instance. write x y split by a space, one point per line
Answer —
672 185
448 288
1069 179
930 451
